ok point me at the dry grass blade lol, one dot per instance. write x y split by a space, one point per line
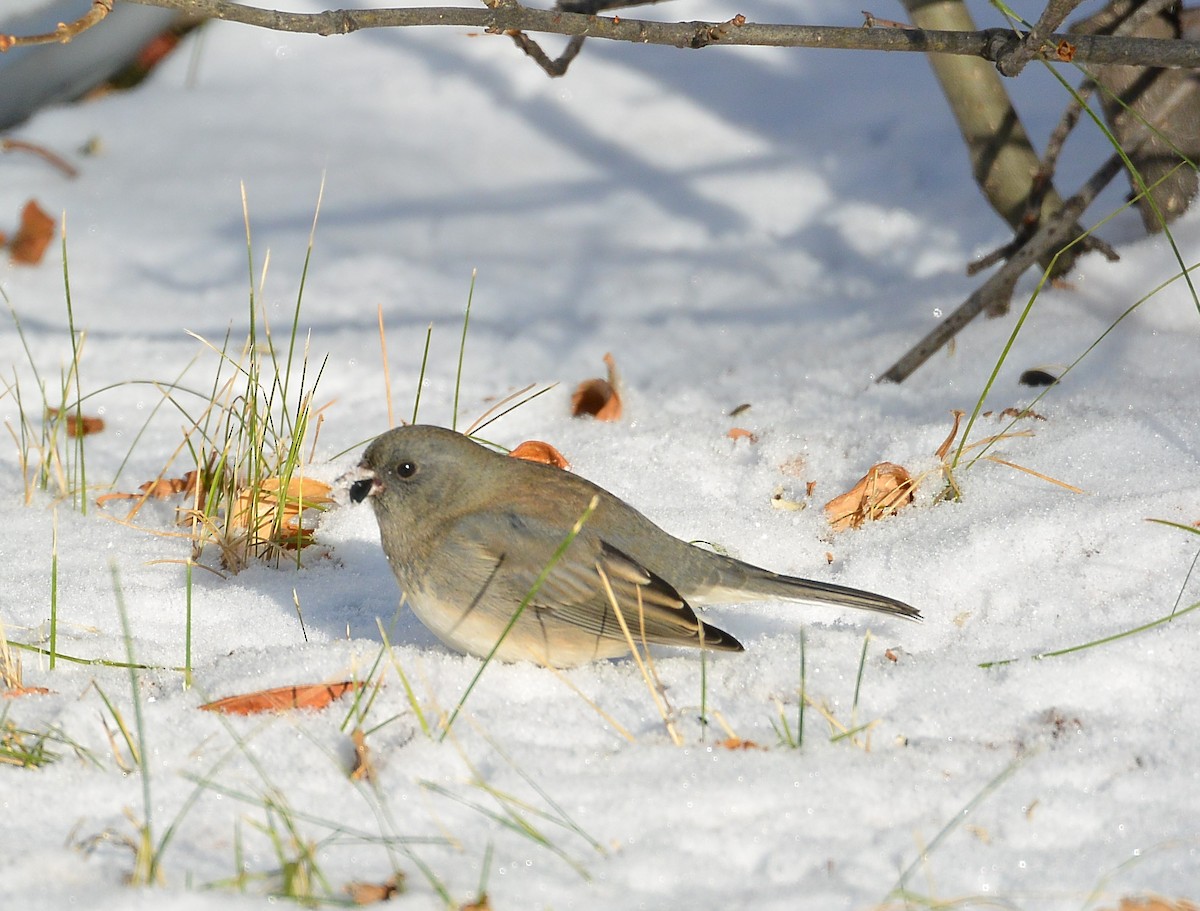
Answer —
648 673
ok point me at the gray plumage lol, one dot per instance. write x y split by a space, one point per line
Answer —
468 531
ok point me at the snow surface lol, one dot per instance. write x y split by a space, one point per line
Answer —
737 226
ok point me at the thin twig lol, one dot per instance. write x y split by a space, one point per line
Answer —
557 66
1031 46
1052 235
65 30
52 158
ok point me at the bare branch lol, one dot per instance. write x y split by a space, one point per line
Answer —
65 31
509 17
555 67
1037 39
1053 235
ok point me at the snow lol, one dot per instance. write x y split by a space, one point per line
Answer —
752 226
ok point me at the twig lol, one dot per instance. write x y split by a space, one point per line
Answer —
65 31
557 66
1012 62
514 17
1051 236
52 158
870 20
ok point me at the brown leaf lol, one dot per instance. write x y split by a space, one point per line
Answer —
283 698
32 237
741 433
75 421
261 505
483 903
599 398
880 492
159 489
737 743
19 691
537 451
1022 413
370 893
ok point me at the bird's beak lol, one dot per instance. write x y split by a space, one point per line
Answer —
363 483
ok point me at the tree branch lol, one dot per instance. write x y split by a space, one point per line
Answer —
1053 235
506 18
65 31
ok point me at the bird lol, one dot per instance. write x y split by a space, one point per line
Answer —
519 561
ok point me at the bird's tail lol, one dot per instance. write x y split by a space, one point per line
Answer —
743 582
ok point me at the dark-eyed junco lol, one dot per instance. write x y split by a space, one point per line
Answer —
469 531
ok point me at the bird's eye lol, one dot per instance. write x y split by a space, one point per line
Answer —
406 469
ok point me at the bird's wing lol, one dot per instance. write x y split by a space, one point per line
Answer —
574 591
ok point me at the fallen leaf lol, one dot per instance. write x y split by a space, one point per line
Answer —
741 433
18 691
745 406
810 488
283 698
260 506
537 451
1021 413
892 654
829 558
880 492
75 421
737 743
32 237
370 893
599 398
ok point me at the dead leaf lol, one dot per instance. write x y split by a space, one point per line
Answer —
159 489
745 406
537 451
741 433
283 698
892 654
810 488
363 769
371 893
261 505
1021 413
737 743
599 398
480 904
75 421
1065 51
829 558
18 691
880 492
33 236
